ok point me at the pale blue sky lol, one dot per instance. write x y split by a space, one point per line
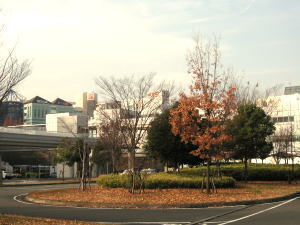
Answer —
70 42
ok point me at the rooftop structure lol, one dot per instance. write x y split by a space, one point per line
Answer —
36 109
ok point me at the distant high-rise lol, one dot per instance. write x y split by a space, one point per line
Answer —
292 90
87 101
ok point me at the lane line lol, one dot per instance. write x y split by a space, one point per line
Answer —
259 212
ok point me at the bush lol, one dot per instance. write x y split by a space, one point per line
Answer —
163 180
31 175
260 172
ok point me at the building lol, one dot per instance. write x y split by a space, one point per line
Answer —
291 90
285 113
87 102
36 109
136 114
66 123
11 113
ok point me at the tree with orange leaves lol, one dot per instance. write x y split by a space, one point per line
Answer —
199 118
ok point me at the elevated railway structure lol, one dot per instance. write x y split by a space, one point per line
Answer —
20 140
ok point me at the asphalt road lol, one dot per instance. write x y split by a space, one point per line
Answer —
281 213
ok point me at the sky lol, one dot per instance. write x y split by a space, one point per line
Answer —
72 42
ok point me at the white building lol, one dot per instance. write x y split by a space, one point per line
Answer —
66 123
285 113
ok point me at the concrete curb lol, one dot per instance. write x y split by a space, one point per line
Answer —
34 184
143 206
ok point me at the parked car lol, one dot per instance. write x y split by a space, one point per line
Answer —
3 174
7 175
53 174
148 171
125 172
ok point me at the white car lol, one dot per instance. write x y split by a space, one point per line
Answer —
148 171
126 172
7 175
3 174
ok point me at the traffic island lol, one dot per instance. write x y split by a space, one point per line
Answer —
101 197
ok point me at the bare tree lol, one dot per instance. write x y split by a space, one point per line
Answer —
249 93
283 140
83 145
12 73
134 101
110 137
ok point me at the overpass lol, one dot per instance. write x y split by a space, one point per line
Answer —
14 139
18 140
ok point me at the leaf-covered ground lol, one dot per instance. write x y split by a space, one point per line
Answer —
24 220
250 191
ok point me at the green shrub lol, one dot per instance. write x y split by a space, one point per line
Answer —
31 175
261 172
163 180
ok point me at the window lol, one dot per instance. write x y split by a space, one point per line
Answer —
282 119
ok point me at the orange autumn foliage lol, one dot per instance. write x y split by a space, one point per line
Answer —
199 118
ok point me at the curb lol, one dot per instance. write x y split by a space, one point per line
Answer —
34 184
144 206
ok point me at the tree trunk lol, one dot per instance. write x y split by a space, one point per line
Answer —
63 172
218 169
246 170
131 159
83 180
113 161
208 177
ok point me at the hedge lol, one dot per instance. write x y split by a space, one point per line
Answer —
259 172
163 181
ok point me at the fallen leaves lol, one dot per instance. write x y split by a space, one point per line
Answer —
250 191
24 220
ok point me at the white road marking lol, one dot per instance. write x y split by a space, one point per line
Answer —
162 223
16 199
259 212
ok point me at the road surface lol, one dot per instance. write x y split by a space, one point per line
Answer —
286 212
